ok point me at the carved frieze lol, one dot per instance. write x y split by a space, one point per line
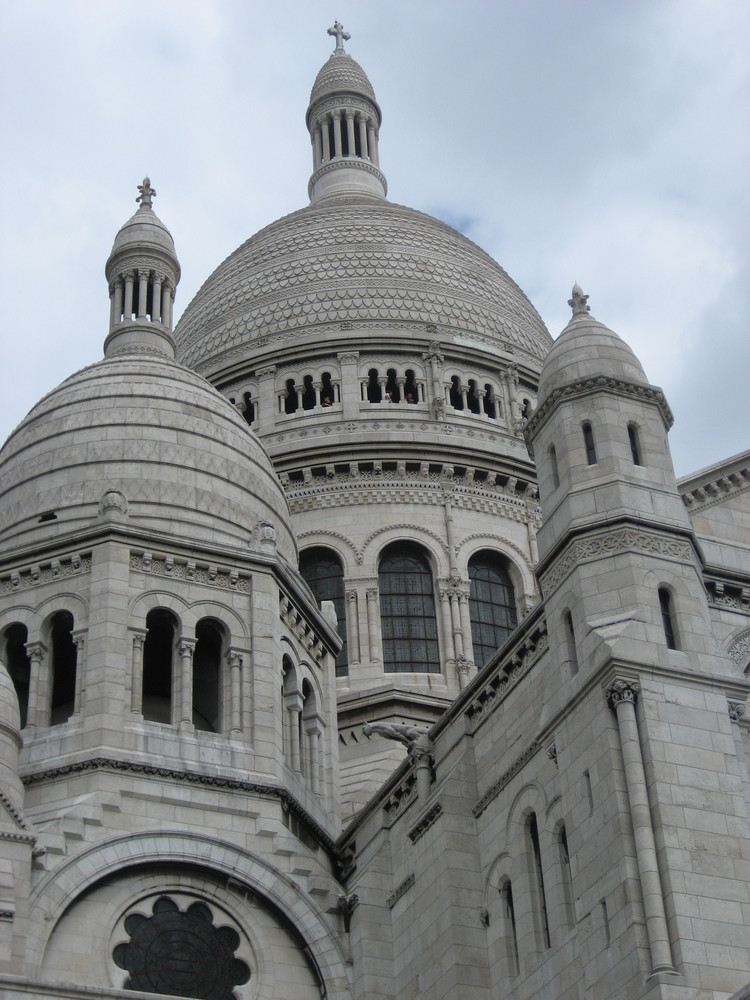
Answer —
192 572
41 573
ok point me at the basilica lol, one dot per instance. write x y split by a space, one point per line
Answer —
356 638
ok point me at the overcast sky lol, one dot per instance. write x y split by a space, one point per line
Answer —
604 142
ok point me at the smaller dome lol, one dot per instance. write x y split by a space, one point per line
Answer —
587 349
143 232
341 74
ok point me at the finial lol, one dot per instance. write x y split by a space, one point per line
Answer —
578 303
341 35
147 193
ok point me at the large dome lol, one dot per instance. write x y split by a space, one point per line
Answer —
146 435
361 262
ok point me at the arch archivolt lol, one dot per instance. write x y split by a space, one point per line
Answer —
143 603
73 603
339 544
24 614
434 545
74 878
234 626
530 799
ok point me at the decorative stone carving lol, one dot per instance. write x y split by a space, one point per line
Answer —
736 710
622 690
113 503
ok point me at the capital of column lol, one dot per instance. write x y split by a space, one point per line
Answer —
35 651
139 637
143 272
235 659
621 690
187 647
372 593
421 756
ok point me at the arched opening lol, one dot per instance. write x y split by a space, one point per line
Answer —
158 655
553 466
326 390
207 661
566 875
407 611
588 441
510 932
457 400
249 411
526 409
63 660
308 393
392 390
570 641
411 391
291 402
488 402
322 571
635 444
18 664
472 398
537 880
667 618
492 604
374 392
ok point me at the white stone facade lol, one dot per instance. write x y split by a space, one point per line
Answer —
200 795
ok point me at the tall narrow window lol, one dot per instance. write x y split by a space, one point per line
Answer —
322 571
588 440
308 393
18 665
290 399
392 390
63 653
509 915
492 604
553 466
207 660
326 390
538 878
374 392
158 651
249 411
489 402
411 392
472 399
667 618
456 398
567 875
635 448
570 638
407 611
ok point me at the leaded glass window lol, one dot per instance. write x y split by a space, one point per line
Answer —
323 573
492 605
407 611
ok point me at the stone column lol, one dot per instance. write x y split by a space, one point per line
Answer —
112 319
312 731
156 299
463 607
372 144
372 623
165 303
136 690
350 133
362 122
352 627
187 648
422 757
317 147
447 621
128 306
267 406
325 136
143 274
336 133
79 641
622 695
294 708
235 692
737 710
39 682
118 300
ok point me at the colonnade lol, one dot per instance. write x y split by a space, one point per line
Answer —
144 294
356 135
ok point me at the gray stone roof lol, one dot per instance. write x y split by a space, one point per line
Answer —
340 74
147 437
356 261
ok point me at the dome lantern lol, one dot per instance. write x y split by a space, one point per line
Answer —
344 121
143 273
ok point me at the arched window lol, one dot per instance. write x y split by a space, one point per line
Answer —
635 445
374 392
18 664
492 604
158 653
667 618
391 386
249 411
509 920
291 402
553 465
566 874
322 571
411 391
588 440
489 403
207 661
537 880
308 393
526 409
326 390
407 611
570 640
63 661
456 398
472 399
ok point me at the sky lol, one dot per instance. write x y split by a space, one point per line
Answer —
574 140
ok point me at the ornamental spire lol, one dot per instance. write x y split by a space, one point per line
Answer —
341 36
579 302
147 193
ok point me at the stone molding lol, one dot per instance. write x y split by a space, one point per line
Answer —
620 539
424 824
41 573
400 798
739 648
586 386
340 162
715 490
728 595
296 622
190 571
285 797
399 891
494 790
